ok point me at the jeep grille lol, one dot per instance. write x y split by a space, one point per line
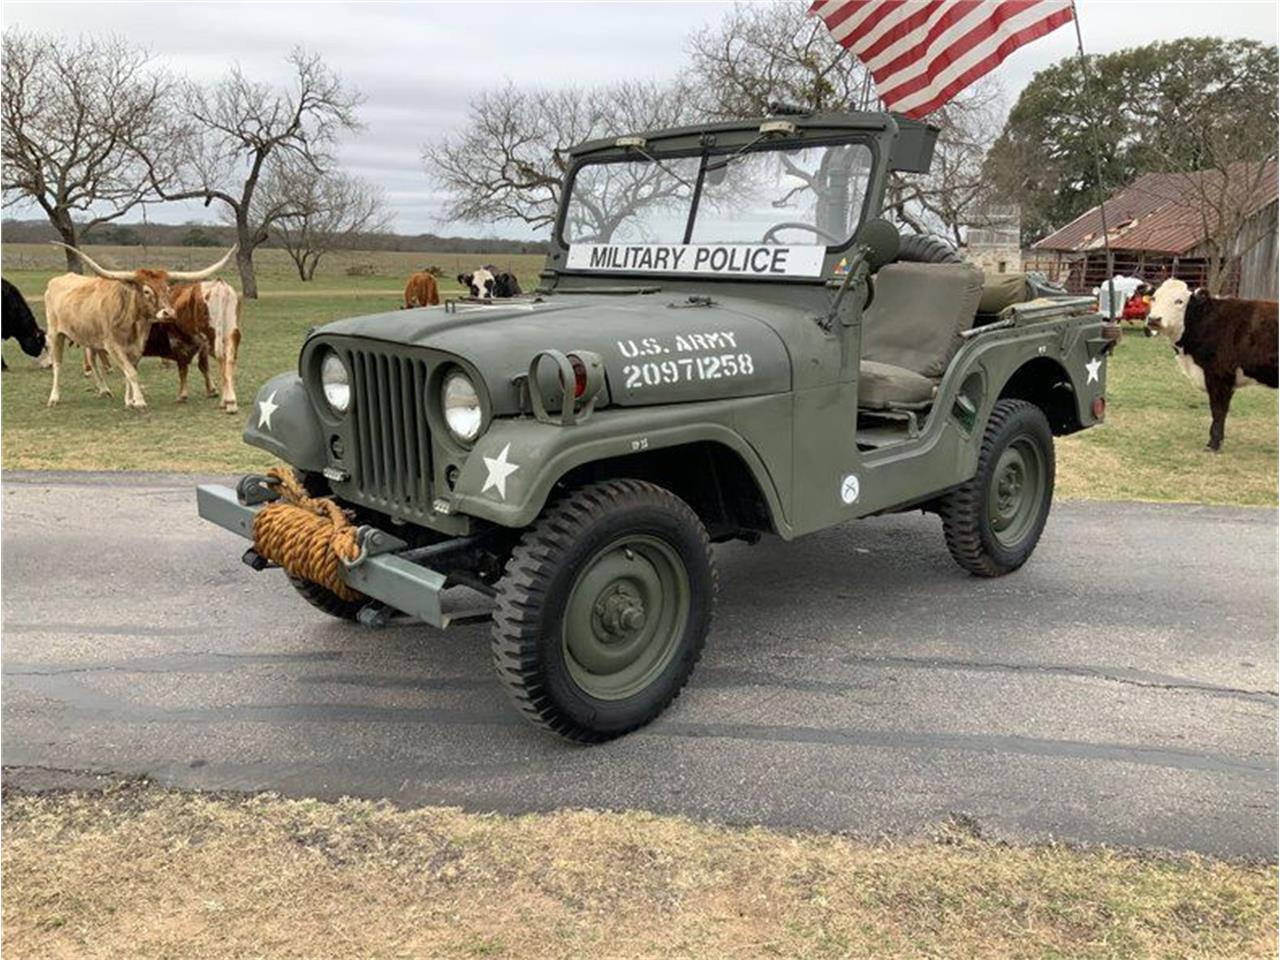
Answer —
391 462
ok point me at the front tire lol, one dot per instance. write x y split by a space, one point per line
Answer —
325 600
604 609
993 522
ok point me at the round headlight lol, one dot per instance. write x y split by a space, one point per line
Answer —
335 382
461 406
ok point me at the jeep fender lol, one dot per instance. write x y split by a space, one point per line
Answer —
283 422
1064 354
512 468
998 357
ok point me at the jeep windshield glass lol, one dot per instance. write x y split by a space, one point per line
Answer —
783 194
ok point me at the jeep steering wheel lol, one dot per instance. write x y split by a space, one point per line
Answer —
797 225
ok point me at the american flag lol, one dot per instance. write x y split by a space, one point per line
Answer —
921 53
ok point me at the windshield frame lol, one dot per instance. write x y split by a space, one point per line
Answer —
708 152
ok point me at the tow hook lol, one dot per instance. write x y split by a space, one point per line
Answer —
254 488
372 542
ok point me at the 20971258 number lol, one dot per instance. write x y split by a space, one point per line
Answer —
687 369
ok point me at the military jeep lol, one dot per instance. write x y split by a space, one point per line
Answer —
727 340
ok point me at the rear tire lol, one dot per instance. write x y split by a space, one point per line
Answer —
924 248
325 600
993 522
604 609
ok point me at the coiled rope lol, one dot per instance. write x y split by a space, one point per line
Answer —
306 535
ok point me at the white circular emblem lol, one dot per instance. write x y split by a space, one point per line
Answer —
849 489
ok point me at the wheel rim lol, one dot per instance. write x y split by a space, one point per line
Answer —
625 616
1016 491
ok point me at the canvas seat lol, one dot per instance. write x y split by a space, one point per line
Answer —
912 330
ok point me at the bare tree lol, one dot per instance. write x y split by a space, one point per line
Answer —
1216 203
330 212
760 53
1229 195
509 162
237 126
954 195
70 112
1224 166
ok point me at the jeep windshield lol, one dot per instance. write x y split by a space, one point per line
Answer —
768 210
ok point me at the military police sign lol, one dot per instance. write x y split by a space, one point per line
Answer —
725 259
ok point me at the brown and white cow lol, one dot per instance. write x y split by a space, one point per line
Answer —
421 290
206 323
1221 343
111 313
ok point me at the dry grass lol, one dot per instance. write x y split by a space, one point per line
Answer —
142 873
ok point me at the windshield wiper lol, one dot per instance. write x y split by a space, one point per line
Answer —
721 164
661 166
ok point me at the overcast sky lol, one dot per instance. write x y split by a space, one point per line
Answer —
418 64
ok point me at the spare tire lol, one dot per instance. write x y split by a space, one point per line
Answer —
923 248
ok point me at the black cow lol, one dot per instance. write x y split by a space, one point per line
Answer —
505 283
1221 344
19 323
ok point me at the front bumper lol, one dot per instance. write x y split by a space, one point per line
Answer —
409 588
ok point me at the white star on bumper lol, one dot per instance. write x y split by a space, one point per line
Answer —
1093 366
266 407
499 469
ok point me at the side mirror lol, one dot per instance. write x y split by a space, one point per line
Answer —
882 241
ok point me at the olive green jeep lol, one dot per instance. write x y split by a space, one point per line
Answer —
727 341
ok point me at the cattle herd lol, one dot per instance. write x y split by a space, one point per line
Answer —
120 316
485 283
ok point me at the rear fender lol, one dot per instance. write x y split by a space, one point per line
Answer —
1062 351
510 473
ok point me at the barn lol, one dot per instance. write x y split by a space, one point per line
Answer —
1159 226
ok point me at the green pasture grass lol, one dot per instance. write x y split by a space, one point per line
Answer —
30 265
88 432
1151 446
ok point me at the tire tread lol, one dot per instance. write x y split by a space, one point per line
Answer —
325 600
961 509
519 603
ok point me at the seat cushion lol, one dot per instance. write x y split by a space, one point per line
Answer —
882 385
918 313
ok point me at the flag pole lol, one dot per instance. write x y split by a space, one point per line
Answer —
1097 165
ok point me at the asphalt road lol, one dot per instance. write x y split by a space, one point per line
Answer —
1121 688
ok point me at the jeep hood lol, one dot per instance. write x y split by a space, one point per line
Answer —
657 348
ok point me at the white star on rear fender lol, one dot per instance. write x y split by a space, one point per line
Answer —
266 407
499 469
1093 366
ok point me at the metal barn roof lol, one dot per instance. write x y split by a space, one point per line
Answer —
1163 212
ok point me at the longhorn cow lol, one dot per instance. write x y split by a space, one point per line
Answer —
111 313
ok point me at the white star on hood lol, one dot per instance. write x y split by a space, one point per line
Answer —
1093 366
499 469
266 407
